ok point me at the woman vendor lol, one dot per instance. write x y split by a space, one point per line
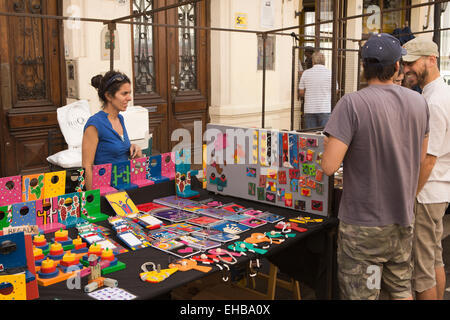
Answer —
105 138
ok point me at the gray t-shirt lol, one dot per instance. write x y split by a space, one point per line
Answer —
384 127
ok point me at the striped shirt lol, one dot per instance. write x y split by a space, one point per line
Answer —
316 82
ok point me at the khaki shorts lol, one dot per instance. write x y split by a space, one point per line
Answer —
371 258
427 244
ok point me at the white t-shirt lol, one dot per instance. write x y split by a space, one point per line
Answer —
316 82
437 188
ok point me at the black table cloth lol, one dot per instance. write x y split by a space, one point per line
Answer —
309 257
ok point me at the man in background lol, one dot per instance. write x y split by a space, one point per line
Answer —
315 87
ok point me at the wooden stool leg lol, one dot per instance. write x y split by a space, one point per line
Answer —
296 290
272 282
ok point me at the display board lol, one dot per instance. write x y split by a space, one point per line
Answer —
281 168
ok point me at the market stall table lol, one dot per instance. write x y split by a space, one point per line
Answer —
308 257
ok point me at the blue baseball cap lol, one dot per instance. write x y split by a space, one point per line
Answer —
383 47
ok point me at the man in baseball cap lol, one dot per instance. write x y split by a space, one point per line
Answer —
384 48
416 60
380 128
433 191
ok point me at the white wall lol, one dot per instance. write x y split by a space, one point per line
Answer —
354 31
236 95
83 42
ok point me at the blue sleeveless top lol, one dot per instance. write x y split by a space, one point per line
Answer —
111 148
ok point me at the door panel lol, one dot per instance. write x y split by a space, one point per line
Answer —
189 100
158 127
33 84
179 95
31 150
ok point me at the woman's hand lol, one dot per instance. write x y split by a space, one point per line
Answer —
135 152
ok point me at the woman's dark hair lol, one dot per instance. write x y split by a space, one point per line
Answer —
373 69
109 83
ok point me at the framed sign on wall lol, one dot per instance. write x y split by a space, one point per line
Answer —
270 52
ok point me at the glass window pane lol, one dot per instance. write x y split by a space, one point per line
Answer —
371 24
392 20
144 66
28 41
187 78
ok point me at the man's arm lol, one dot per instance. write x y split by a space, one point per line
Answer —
301 92
333 155
426 165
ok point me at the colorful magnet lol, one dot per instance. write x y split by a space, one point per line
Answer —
251 189
302 157
310 183
319 188
213 178
294 185
319 175
269 148
261 193
305 169
272 174
263 149
310 155
300 205
302 182
285 150
294 173
311 142
312 170
282 179
293 150
271 197
221 182
319 158
251 172
305 192
281 194
317 205
302 142
255 147
262 181
288 200
271 186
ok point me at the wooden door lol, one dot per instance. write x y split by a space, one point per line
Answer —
171 67
32 84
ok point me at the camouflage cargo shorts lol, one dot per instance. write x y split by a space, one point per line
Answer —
371 258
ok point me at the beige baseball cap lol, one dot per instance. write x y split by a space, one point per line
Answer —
419 47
